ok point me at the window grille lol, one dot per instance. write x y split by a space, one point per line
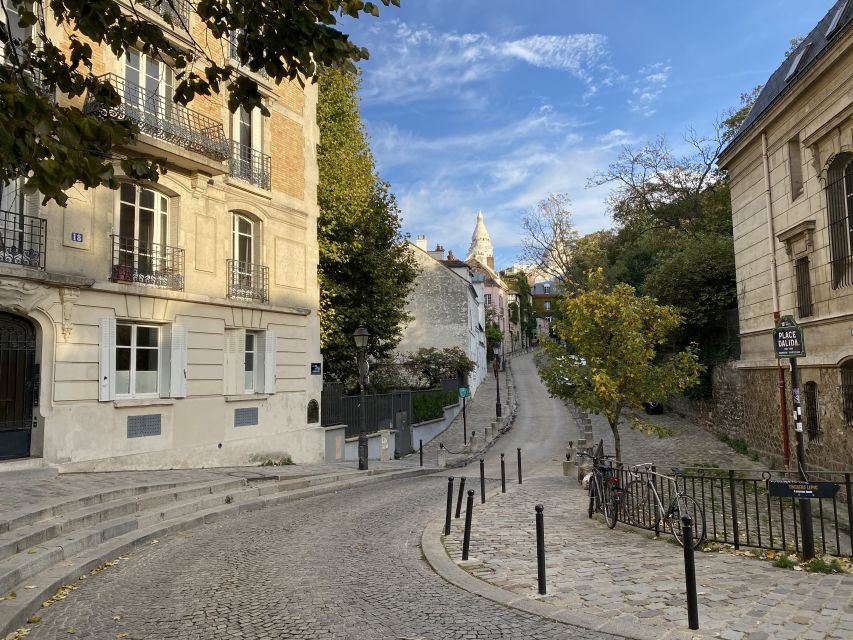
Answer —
847 391
812 414
839 198
804 288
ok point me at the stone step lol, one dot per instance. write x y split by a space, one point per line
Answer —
81 551
115 504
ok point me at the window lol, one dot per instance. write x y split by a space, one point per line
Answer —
142 228
250 358
488 298
547 289
812 415
17 33
139 360
836 20
147 86
795 168
547 305
804 287
839 202
847 391
792 70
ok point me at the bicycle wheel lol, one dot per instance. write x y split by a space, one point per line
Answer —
639 505
687 506
592 498
611 515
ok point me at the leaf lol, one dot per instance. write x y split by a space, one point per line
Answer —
34 619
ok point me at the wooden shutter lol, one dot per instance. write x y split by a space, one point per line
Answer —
235 360
178 361
269 361
165 358
107 360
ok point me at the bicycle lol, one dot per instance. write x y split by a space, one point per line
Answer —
643 506
605 495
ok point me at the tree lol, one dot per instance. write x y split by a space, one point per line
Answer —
550 236
365 270
618 360
494 336
54 145
430 366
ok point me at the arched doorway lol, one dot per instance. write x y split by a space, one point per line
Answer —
18 385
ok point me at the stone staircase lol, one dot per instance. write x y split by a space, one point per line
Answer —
43 548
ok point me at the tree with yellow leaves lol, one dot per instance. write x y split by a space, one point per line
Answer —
617 352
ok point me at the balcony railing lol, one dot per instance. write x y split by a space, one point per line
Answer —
249 165
145 263
248 281
175 12
163 119
23 240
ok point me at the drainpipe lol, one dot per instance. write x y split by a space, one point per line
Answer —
771 243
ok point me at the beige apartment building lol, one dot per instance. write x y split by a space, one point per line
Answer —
169 324
791 171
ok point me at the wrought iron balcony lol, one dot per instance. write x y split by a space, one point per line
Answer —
175 12
249 165
146 263
163 119
23 240
248 281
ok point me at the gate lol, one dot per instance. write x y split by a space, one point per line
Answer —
18 385
402 408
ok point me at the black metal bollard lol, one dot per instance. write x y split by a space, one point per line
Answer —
482 481
469 511
459 496
449 506
519 465
540 547
421 447
503 475
690 573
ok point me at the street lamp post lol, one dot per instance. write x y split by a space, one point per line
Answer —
511 343
361 337
497 366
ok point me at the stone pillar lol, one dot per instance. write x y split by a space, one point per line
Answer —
441 463
384 445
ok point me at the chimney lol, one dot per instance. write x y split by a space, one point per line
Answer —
438 254
450 255
421 242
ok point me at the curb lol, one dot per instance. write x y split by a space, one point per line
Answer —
437 558
14 613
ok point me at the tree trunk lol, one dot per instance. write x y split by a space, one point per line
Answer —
614 427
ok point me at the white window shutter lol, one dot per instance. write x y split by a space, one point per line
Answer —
107 360
178 361
235 360
269 361
165 358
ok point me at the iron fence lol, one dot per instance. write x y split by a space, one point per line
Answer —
146 263
740 511
160 117
250 165
248 281
23 240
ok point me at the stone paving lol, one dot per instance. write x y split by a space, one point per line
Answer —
341 566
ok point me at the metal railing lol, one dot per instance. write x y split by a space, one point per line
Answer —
175 12
23 240
161 118
153 265
249 165
248 281
740 511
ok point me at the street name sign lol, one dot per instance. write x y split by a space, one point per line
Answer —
801 489
788 339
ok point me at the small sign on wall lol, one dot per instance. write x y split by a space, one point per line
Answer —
76 237
316 368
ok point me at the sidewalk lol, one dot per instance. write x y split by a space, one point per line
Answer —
624 581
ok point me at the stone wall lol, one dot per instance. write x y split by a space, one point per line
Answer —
745 406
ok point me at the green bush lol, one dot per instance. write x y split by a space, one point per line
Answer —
430 406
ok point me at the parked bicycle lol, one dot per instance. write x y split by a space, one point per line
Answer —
605 495
642 505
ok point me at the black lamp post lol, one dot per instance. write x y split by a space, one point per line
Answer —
497 365
511 343
361 337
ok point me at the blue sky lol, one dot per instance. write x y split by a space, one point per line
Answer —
493 104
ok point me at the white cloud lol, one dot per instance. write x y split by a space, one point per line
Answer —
648 88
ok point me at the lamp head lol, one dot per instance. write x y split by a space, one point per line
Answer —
361 336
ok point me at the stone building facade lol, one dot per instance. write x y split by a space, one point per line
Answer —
791 172
169 324
446 306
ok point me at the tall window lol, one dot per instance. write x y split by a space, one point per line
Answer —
547 289
847 391
547 305
250 362
839 202
142 231
243 239
804 287
488 298
812 414
147 85
795 168
137 356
